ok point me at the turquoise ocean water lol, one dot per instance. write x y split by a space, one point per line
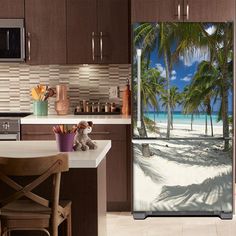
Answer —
179 118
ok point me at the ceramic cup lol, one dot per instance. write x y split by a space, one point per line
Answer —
40 108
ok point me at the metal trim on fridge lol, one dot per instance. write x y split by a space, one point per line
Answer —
139 54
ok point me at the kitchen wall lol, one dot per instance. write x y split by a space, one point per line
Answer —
84 82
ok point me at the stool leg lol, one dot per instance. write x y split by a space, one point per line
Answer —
68 227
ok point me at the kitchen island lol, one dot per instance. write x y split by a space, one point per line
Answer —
116 128
84 184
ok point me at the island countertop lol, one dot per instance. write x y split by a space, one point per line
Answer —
77 159
75 119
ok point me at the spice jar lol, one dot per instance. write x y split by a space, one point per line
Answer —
107 107
113 107
88 108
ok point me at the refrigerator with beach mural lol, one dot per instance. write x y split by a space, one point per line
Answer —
182 118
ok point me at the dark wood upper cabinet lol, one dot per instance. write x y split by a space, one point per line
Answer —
12 9
209 11
183 10
156 10
113 31
45 31
81 30
97 31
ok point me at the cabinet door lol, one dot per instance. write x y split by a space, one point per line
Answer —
82 39
113 31
156 10
46 31
118 165
209 11
12 9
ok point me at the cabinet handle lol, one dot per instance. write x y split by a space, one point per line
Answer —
29 45
179 11
8 40
101 46
93 46
100 133
187 11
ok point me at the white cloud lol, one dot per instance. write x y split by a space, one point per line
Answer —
162 71
186 78
211 30
194 55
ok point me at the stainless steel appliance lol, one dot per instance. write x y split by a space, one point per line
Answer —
182 118
12 40
10 126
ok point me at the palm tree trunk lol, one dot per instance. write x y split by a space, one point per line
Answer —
206 124
192 122
143 134
168 94
171 120
225 96
211 125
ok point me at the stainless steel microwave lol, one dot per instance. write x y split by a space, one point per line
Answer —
12 40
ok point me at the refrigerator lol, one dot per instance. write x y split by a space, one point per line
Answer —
182 119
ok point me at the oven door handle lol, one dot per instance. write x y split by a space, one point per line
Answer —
9 137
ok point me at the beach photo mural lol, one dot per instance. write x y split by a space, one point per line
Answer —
186 91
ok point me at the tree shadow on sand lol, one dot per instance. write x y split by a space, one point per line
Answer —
147 168
193 152
213 194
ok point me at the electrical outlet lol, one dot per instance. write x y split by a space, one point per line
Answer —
113 92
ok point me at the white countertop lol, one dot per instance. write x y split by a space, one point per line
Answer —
78 159
75 119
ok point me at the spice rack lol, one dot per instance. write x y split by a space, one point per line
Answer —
97 108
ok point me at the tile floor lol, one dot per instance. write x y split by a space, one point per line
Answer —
122 224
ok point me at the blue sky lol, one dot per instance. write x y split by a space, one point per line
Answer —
183 71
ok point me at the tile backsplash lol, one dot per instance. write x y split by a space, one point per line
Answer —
83 81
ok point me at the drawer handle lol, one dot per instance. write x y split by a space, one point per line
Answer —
34 133
99 133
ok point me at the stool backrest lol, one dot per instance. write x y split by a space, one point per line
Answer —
43 168
33 166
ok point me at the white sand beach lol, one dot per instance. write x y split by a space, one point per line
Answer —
184 130
183 174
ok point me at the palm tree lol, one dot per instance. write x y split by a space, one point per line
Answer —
151 85
208 83
187 107
161 36
220 46
174 99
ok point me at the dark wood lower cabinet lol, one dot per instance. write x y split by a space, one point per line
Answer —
118 159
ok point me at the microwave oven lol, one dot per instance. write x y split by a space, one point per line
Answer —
12 40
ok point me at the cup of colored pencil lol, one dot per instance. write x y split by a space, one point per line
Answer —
64 137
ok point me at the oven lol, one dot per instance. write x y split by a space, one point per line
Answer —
10 126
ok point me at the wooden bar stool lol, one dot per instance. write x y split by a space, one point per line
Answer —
25 210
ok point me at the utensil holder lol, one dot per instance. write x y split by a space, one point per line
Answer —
65 142
40 108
